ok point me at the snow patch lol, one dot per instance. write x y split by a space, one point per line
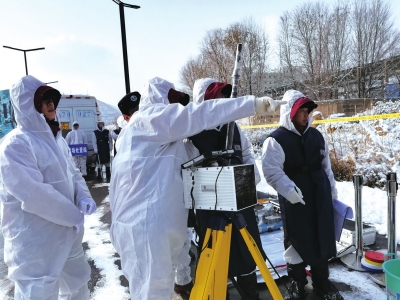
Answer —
102 252
98 185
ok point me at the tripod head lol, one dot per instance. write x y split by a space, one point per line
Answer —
207 155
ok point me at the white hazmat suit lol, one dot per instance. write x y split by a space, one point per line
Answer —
77 137
146 191
40 189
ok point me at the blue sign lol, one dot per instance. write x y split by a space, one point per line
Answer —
79 150
7 122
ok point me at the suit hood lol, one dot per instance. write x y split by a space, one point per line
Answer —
291 96
199 89
22 98
155 92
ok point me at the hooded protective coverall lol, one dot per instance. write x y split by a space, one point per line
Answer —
146 191
309 231
77 137
39 193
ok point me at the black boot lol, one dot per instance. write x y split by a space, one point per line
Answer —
248 284
99 174
184 290
298 280
108 173
323 287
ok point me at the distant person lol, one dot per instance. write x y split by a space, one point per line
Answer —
44 200
296 164
102 146
78 137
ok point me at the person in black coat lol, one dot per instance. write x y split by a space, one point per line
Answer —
102 146
296 164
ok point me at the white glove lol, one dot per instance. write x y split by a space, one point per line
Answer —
266 105
87 206
295 196
79 226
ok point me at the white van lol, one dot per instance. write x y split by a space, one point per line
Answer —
85 111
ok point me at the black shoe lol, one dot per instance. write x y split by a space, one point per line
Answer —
322 285
298 280
108 173
248 285
326 290
99 177
183 290
296 291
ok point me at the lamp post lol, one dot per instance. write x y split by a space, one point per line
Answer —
26 50
123 36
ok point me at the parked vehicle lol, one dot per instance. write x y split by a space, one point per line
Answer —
85 111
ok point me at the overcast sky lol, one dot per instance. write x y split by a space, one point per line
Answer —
83 39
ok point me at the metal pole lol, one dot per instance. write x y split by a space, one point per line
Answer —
357 181
353 260
26 65
26 50
124 47
391 188
234 94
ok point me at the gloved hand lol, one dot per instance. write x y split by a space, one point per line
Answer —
266 105
296 196
79 226
87 206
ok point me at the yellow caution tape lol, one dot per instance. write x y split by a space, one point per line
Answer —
337 120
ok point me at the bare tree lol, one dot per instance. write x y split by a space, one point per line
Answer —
218 50
286 43
374 38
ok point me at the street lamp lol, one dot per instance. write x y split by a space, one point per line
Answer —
123 36
27 50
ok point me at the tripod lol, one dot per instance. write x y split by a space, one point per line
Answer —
212 270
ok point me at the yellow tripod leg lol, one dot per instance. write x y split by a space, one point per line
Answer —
219 285
255 252
206 268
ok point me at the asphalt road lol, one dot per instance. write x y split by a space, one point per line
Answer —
98 194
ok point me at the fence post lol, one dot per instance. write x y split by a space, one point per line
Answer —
353 260
391 191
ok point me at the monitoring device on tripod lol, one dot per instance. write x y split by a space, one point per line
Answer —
222 188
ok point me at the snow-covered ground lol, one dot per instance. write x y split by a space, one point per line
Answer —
102 252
